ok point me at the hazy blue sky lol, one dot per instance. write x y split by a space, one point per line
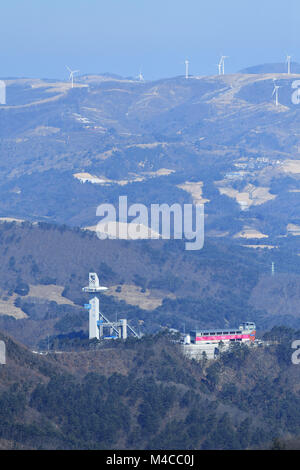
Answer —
38 37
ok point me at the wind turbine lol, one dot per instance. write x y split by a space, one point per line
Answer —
288 61
275 92
140 76
186 69
72 75
221 64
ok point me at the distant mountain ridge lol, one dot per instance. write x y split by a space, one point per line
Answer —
220 139
280 67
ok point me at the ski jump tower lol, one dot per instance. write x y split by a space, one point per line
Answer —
98 323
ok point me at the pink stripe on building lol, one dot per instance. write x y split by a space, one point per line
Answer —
222 338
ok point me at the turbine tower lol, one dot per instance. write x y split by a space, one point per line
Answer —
186 69
288 61
221 65
140 76
275 92
2 92
71 77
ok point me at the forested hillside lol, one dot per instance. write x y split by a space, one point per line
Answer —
145 394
